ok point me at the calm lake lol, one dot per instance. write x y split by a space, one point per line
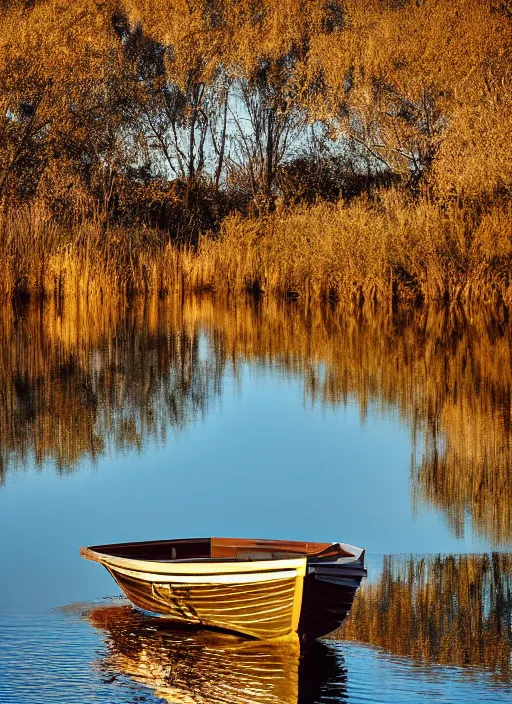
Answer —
197 417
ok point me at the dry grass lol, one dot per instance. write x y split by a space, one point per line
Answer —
393 249
388 250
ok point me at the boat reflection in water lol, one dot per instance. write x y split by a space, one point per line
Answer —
208 667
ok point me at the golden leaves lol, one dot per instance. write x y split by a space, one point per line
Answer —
415 83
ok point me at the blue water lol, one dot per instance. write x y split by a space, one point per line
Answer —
60 658
260 464
262 461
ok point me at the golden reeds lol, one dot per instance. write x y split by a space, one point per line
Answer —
391 250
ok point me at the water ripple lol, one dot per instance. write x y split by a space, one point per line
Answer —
110 654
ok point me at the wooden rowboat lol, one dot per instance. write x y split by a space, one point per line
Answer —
260 588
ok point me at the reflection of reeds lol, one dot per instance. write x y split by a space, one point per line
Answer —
75 381
455 610
82 375
200 666
473 473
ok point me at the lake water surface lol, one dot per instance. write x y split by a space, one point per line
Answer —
197 417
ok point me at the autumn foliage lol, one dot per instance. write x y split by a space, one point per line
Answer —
171 115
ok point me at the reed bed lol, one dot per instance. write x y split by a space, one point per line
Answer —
391 249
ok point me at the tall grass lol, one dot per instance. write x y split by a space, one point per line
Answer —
389 249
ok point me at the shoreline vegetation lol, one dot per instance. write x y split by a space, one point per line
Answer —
389 251
357 151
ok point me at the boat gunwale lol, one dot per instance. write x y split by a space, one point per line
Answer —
213 567
220 565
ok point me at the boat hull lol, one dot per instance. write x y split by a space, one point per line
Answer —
329 590
260 599
325 606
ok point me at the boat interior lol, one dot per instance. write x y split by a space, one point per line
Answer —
197 549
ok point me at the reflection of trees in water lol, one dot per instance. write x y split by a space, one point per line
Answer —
216 668
75 380
454 610
448 373
74 384
466 469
